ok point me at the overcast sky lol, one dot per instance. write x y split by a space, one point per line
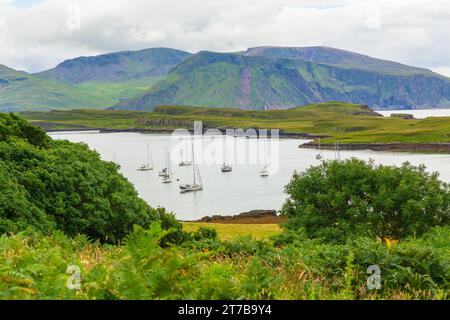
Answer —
38 34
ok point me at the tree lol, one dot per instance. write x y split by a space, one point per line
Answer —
337 200
50 184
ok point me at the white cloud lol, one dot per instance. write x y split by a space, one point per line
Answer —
40 36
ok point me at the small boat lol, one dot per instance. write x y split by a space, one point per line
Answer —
167 178
184 162
319 156
115 157
149 165
264 172
226 168
165 171
337 152
197 185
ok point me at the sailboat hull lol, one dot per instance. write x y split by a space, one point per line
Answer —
191 188
145 168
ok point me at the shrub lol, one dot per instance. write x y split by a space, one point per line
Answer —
65 186
338 200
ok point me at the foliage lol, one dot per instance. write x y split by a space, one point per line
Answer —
33 266
57 184
337 200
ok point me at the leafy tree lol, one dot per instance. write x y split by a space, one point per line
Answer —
62 185
337 199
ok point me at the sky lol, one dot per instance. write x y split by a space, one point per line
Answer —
38 34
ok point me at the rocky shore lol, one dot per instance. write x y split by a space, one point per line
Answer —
250 217
406 147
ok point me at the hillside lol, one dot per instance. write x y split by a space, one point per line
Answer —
284 78
118 75
346 122
332 56
22 91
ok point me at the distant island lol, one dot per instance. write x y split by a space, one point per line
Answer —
354 126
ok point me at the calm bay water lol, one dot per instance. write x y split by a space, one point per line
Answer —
223 193
419 114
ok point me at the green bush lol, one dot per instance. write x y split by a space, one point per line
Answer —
58 184
338 200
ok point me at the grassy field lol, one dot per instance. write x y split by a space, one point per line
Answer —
232 231
347 122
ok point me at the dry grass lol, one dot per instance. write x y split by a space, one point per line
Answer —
231 231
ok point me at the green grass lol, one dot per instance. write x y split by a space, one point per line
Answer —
232 231
118 91
27 92
347 122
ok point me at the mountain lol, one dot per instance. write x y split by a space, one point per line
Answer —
117 76
22 91
337 57
258 78
118 66
281 78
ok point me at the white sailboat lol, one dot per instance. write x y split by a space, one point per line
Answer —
197 185
149 165
264 172
319 156
226 167
165 171
337 152
168 177
115 157
183 161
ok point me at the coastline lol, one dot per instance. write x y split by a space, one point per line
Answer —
438 147
282 135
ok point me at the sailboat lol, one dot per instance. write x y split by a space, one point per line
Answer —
337 152
165 171
149 165
226 167
168 177
197 185
184 162
319 156
115 157
264 172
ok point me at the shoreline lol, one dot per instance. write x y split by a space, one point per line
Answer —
250 217
283 135
436 147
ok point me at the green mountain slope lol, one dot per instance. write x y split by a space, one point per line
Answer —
251 80
337 57
22 91
118 75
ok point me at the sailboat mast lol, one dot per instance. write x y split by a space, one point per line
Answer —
169 167
193 163
199 177
225 150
